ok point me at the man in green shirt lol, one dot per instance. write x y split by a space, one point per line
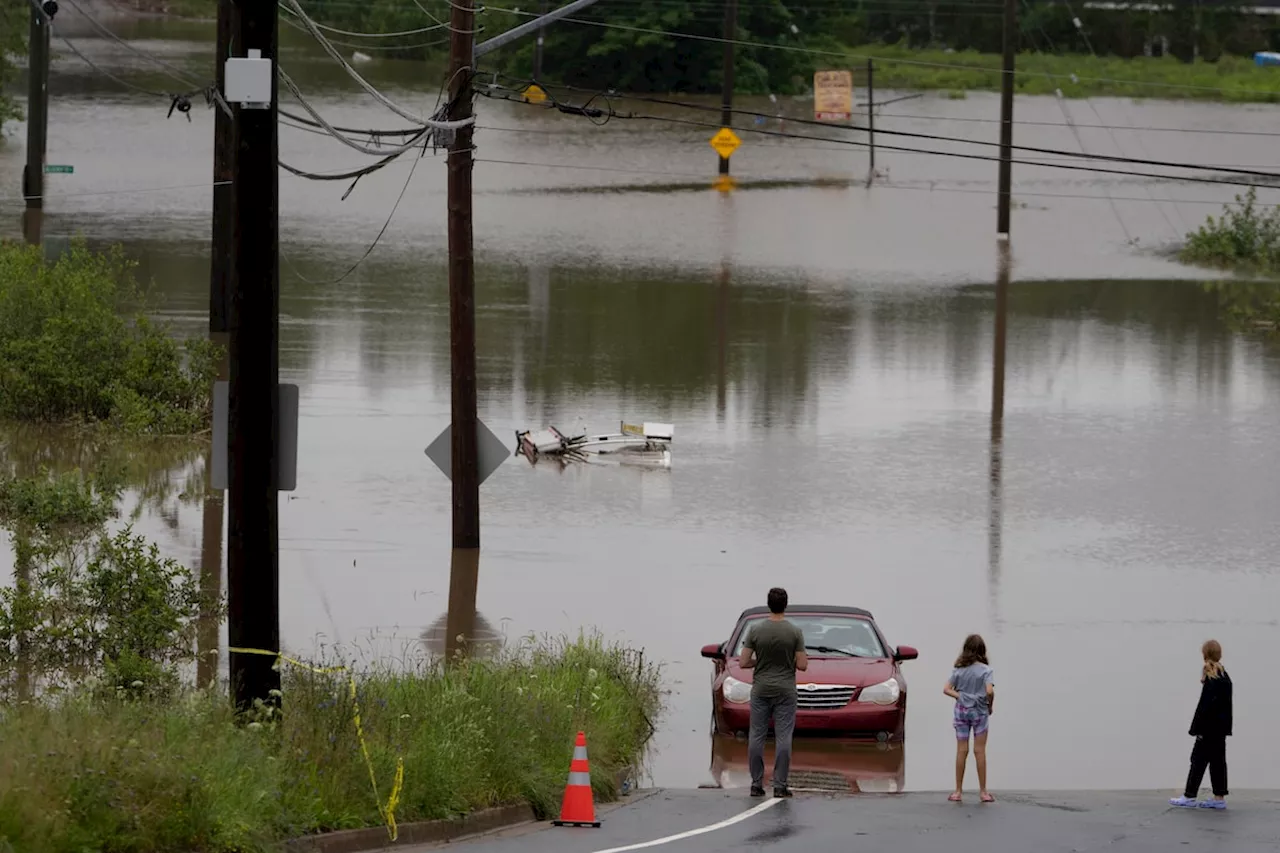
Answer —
774 648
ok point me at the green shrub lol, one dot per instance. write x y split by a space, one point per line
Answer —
1244 237
74 347
79 773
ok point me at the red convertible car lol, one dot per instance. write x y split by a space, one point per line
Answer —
854 685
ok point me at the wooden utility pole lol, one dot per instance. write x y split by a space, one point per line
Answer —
462 283
37 109
726 88
253 585
1006 118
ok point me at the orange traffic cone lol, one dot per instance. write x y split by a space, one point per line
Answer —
578 808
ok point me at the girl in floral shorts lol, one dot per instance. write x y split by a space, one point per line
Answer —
972 685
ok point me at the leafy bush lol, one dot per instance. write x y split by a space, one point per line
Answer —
84 603
1243 237
69 349
80 773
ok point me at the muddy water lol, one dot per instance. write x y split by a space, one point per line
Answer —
825 354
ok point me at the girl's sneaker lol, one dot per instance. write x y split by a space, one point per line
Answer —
1184 802
1213 804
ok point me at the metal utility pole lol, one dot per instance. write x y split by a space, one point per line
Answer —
871 120
220 271
537 50
37 108
462 283
253 584
726 89
1006 118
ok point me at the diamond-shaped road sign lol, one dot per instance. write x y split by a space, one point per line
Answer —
491 451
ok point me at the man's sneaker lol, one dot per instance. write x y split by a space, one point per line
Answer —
781 791
1184 802
757 791
1213 804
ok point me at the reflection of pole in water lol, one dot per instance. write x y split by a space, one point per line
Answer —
464 578
485 640
995 497
32 223
210 558
1001 325
722 343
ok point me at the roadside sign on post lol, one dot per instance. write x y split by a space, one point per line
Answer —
59 170
833 95
725 142
491 452
286 438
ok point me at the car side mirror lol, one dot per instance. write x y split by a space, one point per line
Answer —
905 653
714 652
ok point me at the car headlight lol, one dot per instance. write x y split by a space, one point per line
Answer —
738 692
884 693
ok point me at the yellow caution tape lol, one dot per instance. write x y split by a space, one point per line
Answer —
388 812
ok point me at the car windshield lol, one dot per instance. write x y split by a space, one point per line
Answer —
830 635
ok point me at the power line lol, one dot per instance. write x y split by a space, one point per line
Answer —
327 28
174 72
366 85
861 56
702 178
1131 127
908 134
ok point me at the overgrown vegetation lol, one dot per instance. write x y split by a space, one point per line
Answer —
85 773
1245 237
75 346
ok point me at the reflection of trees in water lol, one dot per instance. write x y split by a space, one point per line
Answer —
1249 306
550 335
160 473
485 640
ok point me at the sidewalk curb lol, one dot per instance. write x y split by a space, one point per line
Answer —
419 833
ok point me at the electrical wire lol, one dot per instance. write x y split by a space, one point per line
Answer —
364 84
703 180
173 71
332 131
374 47
886 131
351 34
1129 127
1270 93
953 154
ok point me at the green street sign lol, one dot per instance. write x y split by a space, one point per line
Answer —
59 170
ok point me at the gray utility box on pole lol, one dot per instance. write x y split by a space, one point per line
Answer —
286 441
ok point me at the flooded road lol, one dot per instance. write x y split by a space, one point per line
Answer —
824 353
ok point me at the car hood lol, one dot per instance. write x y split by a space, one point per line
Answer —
855 672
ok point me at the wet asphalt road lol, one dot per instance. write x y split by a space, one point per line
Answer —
1120 822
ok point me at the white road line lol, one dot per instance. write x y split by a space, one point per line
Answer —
767 804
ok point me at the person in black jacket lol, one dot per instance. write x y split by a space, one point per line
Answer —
1211 726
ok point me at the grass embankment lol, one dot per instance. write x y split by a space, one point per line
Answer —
75 346
1231 78
82 773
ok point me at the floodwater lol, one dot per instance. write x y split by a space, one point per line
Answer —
824 351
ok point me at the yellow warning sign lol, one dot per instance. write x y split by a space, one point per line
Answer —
535 94
725 142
